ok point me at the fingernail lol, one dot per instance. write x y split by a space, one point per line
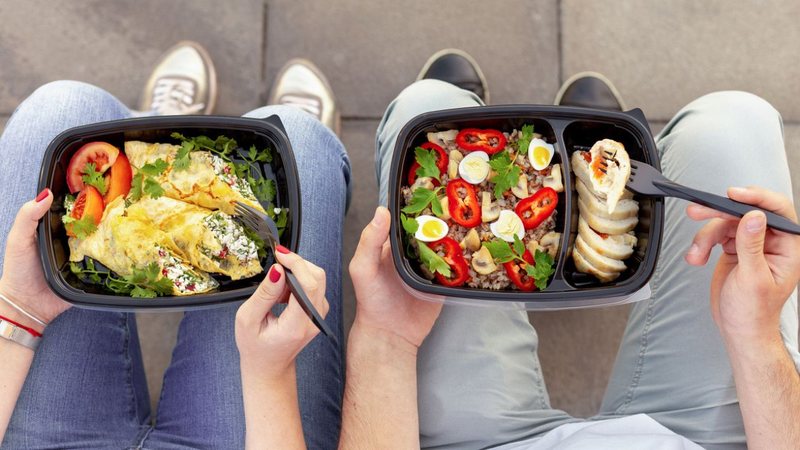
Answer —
282 249
756 223
378 219
274 275
694 249
42 195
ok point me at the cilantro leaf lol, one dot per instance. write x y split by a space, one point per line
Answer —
525 138
82 227
94 178
500 250
427 163
507 173
155 168
254 155
183 159
420 200
542 269
519 247
140 292
409 224
432 260
263 188
136 187
152 188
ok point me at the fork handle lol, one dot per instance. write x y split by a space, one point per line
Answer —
308 307
725 205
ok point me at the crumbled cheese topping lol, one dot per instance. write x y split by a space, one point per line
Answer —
226 174
231 237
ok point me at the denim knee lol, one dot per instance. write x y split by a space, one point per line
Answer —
64 92
428 95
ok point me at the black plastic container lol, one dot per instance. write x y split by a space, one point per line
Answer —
566 127
53 246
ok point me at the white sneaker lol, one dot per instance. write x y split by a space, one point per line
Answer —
183 82
302 85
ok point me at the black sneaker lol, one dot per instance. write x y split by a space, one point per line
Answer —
589 90
456 67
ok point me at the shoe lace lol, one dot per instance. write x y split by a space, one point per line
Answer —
309 104
175 96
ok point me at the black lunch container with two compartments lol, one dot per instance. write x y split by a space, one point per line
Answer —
565 127
53 241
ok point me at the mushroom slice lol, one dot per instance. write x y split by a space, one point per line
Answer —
482 261
521 189
452 165
422 182
549 243
445 208
553 180
442 138
471 241
490 210
532 246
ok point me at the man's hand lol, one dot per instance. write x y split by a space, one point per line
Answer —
758 269
382 302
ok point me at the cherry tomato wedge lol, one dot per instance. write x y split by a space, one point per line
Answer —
89 203
536 208
441 162
454 257
118 179
462 203
101 154
516 271
473 139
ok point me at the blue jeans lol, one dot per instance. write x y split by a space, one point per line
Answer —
87 387
480 382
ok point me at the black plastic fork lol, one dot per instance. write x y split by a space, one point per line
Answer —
647 180
265 227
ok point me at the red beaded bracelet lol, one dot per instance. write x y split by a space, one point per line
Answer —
30 330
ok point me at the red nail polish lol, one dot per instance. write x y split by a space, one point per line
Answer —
274 275
42 195
282 249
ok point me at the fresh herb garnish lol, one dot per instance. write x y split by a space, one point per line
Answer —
432 260
94 178
525 139
144 183
261 246
540 271
427 163
221 146
142 282
182 158
82 227
507 173
409 224
423 197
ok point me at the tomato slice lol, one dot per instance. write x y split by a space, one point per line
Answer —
462 203
89 203
102 154
454 257
536 208
473 139
118 179
516 271
441 162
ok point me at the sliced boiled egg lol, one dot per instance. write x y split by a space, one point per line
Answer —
431 229
540 153
474 168
507 226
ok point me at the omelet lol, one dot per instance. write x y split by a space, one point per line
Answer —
123 242
210 240
208 181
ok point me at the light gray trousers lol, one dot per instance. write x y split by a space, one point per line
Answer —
480 382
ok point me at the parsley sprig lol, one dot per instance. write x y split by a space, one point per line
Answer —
94 178
82 227
540 271
507 172
427 163
143 282
432 260
525 138
144 183
423 197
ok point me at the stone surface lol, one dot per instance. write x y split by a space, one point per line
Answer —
116 44
157 335
662 54
372 50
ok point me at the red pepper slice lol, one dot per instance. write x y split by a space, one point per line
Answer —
462 203
454 257
536 208
473 139
516 271
441 162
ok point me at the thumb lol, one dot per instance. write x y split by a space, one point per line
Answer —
24 228
750 235
370 246
268 293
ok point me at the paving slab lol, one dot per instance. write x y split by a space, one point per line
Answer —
116 44
663 54
157 336
372 50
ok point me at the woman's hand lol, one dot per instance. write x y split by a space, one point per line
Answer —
269 344
382 302
758 269
23 279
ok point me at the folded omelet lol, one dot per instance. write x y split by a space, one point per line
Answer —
123 242
210 240
208 181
